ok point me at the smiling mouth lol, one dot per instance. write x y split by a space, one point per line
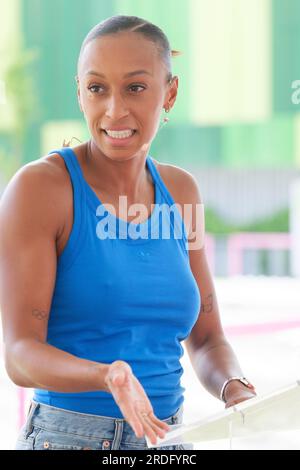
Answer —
119 138
134 130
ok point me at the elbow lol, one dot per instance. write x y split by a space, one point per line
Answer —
196 346
15 379
13 375
12 366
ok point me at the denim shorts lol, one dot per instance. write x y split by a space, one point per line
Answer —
51 428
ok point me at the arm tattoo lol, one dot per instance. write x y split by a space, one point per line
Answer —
39 314
207 305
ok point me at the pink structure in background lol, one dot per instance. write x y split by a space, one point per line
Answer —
21 411
258 241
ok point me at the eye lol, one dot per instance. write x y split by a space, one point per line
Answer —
94 86
137 86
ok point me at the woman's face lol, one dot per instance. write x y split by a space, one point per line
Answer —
113 97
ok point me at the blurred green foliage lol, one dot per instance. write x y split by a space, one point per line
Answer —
20 87
278 222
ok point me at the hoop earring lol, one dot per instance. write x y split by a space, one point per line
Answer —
165 119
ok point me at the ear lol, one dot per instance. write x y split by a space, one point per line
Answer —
172 92
78 93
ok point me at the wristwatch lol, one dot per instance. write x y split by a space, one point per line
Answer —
243 380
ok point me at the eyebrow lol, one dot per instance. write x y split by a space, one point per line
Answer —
129 74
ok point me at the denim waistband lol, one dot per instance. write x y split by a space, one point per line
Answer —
59 419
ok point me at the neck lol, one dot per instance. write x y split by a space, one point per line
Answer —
119 176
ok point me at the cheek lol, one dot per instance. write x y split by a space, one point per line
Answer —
148 109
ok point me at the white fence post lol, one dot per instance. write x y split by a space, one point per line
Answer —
295 227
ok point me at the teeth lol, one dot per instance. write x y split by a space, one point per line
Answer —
120 134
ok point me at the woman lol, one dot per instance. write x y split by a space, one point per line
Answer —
94 309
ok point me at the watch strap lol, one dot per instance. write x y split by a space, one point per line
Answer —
243 380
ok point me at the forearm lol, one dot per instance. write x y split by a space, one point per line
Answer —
214 363
33 364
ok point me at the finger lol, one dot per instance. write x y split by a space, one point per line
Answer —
137 427
159 422
157 429
134 421
149 432
139 423
232 403
229 404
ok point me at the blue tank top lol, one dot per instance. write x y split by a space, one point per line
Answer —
122 295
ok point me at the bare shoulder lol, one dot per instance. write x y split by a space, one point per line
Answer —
37 188
45 170
181 183
184 190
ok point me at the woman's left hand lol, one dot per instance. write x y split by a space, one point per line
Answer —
236 392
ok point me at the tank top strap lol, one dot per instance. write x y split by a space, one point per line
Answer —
166 195
158 180
75 240
72 165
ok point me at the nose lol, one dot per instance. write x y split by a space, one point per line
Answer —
116 108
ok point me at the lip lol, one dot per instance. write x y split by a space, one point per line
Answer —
118 128
118 142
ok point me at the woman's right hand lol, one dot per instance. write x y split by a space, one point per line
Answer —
133 402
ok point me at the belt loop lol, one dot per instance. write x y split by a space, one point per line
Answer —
177 417
29 408
29 426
